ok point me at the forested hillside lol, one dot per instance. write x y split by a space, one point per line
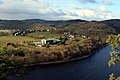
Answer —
107 26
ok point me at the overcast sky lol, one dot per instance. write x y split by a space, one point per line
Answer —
60 9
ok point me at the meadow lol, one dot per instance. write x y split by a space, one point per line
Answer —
5 31
15 39
46 35
35 37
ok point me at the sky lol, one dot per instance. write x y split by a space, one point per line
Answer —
59 9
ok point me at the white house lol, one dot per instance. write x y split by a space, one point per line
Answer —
44 41
50 41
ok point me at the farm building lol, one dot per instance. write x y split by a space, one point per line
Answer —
44 41
50 41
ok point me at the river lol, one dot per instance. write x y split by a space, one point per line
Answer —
91 68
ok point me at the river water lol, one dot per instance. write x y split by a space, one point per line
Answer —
92 68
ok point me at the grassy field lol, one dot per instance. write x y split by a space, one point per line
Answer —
20 39
15 39
6 31
45 35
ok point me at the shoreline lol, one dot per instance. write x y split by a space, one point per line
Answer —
65 61
56 62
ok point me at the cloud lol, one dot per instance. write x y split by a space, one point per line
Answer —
31 9
117 16
1 2
87 1
85 12
103 9
107 2
100 13
73 6
40 9
36 0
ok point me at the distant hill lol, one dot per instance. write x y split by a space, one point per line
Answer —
22 24
88 27
13 24
115 23
77 25
53 22
31 23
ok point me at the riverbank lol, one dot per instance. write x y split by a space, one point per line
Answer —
56 62
71 60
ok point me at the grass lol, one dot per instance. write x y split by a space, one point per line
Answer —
6 31
45 35
29 37
15 39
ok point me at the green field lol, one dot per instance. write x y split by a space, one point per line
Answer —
28 37
45 35
15 39
6 31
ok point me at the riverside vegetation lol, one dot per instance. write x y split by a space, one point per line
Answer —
10 67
